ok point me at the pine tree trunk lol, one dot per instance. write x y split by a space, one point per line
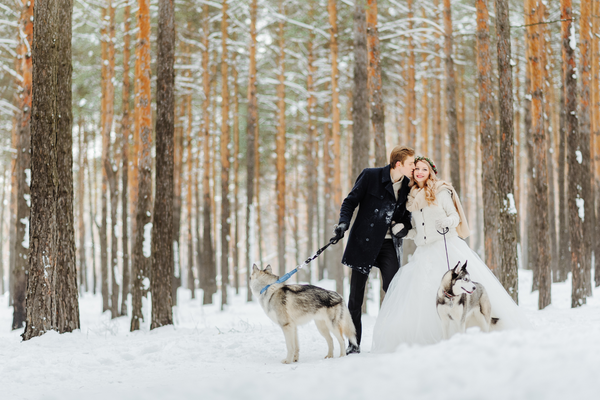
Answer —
375 89
451 100
538 138
360 107
251 130
575 181
52 298
23 173
236 169
125 132
564 252
585 115
487 129
437 94
141 249
336 203
595 167
191 179
3 188
111 172
225 163
424 139
177 176
411 97
507 218
280 148
92 208
81 252
162 225
208 267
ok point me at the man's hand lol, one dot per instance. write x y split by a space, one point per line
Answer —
339 231
397 228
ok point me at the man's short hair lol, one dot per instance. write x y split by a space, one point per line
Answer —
400 153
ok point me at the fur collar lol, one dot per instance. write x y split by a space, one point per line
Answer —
417 201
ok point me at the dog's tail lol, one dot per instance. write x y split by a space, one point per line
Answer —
348 328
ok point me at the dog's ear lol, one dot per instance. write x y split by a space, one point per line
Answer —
255 268
268 269
464 266
456 269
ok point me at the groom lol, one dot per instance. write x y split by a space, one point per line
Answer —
380 195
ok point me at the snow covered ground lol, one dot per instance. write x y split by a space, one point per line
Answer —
236 354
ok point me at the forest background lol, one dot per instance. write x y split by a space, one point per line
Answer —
277 107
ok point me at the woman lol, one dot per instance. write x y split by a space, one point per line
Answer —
408 313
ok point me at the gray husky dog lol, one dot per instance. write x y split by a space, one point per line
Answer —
293 305
462 303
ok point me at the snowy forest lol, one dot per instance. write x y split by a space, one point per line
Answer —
153 151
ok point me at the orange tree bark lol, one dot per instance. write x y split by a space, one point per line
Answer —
162 225
538 138
125 132
424 103
280 147
236 168
191 178
225 164
411 97
487 129
81 252
437 97
52 298
507 217
585 115
451 99
22 170
140 260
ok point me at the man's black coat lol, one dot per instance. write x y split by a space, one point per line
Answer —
373 194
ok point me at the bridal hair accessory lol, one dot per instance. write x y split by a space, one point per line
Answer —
423 158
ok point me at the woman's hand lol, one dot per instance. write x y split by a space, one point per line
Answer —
444 223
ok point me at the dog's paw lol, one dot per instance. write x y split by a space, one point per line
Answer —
329 355
286 361
296 358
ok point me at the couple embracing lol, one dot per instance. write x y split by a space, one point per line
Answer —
405 200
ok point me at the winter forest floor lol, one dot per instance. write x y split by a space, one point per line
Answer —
236 354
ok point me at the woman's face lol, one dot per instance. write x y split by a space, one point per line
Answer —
421 172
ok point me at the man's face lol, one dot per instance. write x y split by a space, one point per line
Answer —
408 166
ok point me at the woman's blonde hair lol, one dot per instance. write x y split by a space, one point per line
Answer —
430 182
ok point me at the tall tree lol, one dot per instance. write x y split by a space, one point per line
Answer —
375 89
338 271
225 164
52 302
81 251
141 249
538 138
162 226
596 129
585 116
437 95
411 97
280 145
451 99
208 267
125 132
360 108
487 128
236 168
22 170
251 131
507 217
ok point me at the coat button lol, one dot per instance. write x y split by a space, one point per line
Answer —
381 197
425 237
367 239
377 210
372 225
421 210
423 223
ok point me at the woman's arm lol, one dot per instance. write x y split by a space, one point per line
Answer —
452 219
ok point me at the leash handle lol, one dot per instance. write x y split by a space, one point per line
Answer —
443 233
308 261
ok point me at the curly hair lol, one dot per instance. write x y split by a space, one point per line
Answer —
429 183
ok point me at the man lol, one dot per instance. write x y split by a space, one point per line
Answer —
380 195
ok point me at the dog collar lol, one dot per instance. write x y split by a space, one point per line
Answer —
448 295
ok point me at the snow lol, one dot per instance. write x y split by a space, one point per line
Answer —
579 156
147 245
572 39
28 177
581 207
236 354
512 209
25 242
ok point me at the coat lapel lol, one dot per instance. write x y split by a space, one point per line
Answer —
386 179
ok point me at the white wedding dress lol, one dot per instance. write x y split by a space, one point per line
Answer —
408 313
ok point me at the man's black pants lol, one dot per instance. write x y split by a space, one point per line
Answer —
387 262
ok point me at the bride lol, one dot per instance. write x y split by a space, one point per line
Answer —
408 313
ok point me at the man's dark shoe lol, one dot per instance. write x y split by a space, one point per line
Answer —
352 349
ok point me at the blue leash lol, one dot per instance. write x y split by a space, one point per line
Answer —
308 260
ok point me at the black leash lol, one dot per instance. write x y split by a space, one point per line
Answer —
444 232
308 261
